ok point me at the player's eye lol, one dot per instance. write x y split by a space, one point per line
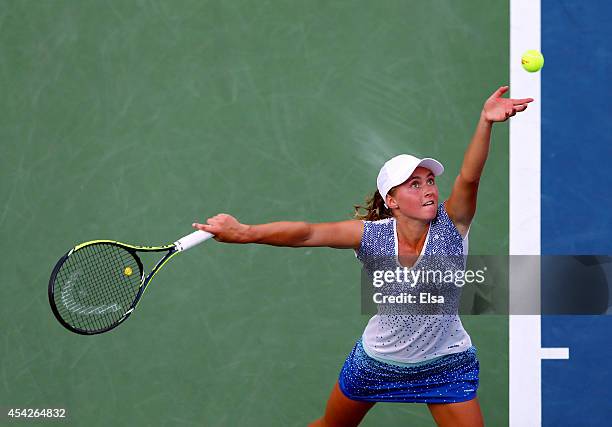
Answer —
431 181
415 184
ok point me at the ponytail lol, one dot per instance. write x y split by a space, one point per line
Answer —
375 209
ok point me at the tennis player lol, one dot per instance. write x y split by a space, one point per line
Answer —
401 358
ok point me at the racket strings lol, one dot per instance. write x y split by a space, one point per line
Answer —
96 286
99 302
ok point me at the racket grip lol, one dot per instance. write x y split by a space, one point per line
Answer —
191 240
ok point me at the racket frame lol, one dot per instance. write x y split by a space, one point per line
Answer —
144 280
186 242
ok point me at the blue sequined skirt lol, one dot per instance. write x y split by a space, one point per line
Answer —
448 379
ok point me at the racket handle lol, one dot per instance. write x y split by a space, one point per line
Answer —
191 240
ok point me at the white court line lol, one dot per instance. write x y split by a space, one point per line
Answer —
559 353
526 353
525 340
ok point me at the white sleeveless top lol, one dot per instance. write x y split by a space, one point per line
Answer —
413 338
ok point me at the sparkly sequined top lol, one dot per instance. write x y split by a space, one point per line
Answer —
412 338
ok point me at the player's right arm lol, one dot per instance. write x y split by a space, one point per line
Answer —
341 235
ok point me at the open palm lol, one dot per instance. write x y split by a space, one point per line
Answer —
498 109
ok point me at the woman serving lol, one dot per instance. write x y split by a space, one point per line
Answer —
401 358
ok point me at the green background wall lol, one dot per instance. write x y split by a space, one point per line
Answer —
130 119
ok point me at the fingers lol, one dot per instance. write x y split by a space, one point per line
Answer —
521 101
499 92
503 89
218 225
212 229
520 107
219 219
514 110
203 227
509 113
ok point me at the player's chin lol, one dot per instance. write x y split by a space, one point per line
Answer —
430 211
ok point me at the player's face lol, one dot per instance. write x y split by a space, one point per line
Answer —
417 197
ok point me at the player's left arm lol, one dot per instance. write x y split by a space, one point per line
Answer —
461 205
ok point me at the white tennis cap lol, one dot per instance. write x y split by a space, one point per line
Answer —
398 169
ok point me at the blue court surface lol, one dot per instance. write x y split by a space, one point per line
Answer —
576 204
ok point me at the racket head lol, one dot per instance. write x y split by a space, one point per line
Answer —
95 286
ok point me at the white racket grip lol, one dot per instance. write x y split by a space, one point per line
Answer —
191 240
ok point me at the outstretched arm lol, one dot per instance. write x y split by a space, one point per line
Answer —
341 235
461 205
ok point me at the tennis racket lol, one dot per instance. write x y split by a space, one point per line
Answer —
96 285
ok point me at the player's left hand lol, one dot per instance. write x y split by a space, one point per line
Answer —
498 109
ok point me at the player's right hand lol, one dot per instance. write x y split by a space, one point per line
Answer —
226 228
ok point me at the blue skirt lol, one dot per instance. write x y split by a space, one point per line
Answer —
448 379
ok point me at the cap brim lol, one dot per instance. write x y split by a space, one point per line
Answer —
433 165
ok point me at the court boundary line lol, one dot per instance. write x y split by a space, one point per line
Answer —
525 333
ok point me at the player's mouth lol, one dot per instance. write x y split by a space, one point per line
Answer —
428 203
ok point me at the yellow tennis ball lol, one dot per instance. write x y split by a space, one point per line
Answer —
127 271
532 61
